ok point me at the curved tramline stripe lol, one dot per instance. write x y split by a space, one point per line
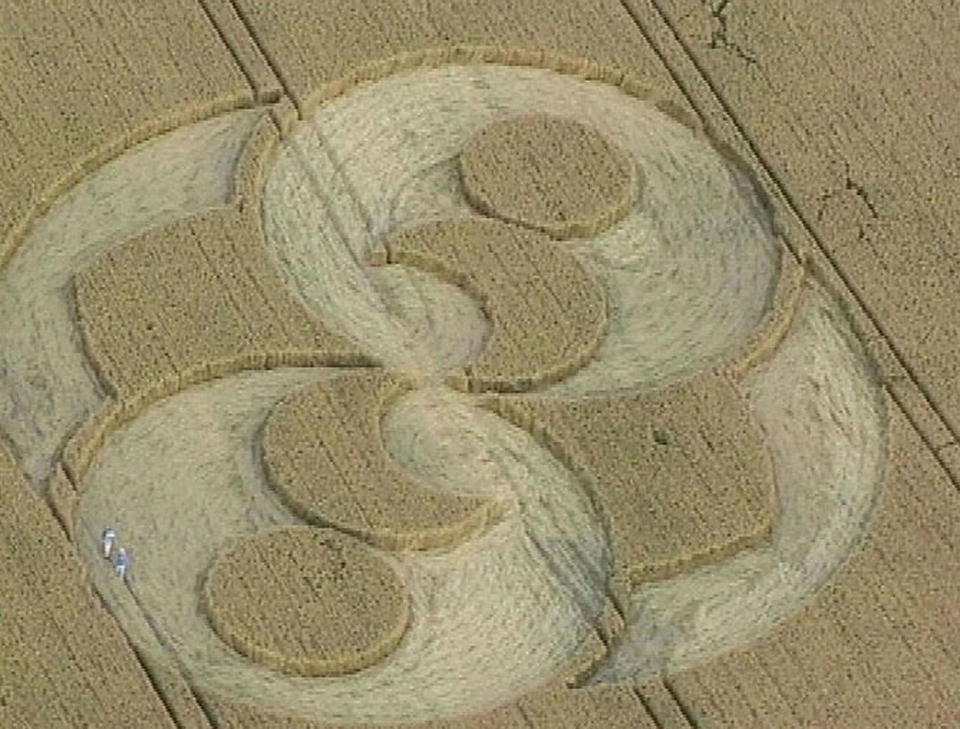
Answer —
546 312
683 287
323 453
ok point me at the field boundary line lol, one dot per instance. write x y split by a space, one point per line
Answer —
664 722
91 534
646 707
681 705
231 48
791 205
267 56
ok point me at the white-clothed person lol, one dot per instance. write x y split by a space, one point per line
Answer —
120 562
107 540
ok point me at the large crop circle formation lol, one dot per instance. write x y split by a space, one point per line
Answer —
481 378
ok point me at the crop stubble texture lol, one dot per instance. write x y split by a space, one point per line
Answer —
547 312
324 454
81 85
315 602
64 662
548 173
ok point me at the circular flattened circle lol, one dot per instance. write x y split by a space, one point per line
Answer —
309 601
549 173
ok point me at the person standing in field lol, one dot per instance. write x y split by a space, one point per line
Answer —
107 540
120 562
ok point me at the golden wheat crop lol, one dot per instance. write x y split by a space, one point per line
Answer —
550 173
324 454
189 302
763 341
551 705
73 109
310 601
195 299
222 311
593 40
547 312
681 475
64 662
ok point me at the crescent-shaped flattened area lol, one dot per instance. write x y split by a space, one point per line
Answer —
549 173
547 312
309 601
323 453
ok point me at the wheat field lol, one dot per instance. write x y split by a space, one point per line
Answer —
492 365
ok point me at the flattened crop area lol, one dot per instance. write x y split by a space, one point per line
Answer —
447 383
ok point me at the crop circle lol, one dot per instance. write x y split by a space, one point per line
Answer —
309 601
546 172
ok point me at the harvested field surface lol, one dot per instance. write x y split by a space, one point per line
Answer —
547 314
323 453
309 601
504 364
548 173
